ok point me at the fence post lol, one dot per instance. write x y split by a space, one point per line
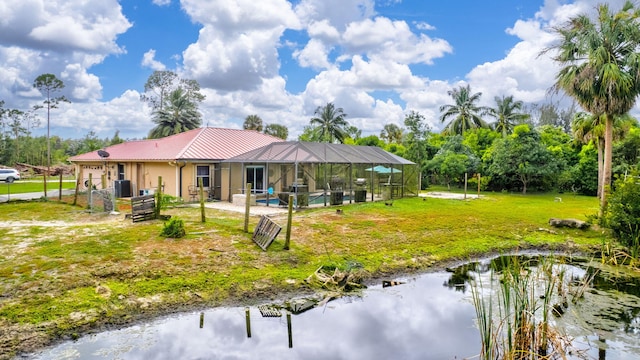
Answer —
60 192
247 318
158 198
465 185
247 206
90 188
44 173
202 215
288 236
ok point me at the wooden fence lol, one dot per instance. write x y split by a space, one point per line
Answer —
143 208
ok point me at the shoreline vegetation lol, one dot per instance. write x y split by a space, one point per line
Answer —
67 272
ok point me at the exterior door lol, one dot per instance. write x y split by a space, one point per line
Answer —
121 175
255 176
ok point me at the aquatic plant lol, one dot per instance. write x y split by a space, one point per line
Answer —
520 327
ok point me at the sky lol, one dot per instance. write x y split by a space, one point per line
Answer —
278 59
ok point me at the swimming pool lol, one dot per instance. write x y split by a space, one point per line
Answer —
312 199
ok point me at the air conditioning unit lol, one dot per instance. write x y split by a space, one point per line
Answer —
123 188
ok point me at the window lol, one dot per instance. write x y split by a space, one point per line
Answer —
120 171
203 172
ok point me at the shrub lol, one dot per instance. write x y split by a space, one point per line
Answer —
167 201
174 228
623 212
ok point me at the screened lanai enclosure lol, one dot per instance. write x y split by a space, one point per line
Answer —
322 174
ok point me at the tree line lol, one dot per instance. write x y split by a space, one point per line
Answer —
600 67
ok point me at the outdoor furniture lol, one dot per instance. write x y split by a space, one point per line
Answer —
193 193
303 198
337 197
360 194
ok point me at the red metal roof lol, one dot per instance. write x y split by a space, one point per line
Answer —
206 143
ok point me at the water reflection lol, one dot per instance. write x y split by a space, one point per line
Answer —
604 322
419 319
399 322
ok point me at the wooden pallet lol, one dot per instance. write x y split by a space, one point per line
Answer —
269 311
265 232
143 208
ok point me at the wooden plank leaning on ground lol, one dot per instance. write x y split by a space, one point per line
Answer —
265 232
142 208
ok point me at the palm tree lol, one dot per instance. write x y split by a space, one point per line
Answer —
179 115
587 127
252 122
600 70
391 133
507 115
277 130
330 124
465 113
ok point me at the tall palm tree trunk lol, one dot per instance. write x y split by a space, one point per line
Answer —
608 158
600 148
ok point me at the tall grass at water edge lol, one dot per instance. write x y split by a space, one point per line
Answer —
515 307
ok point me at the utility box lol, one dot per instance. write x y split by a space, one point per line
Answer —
123 188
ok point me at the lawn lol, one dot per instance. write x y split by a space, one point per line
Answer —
35 184
65 271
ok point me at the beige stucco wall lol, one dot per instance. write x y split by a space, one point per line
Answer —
150 177
146 179
236 185
145 176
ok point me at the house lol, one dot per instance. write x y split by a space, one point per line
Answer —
133 167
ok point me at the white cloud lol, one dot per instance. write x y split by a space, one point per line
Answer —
314 55
125 113
162 2
239 64
392 40
74 25
62 38
381 74
424 26
232 17
338 13
236 48
428 99
525 72
86 86
323 30
148 60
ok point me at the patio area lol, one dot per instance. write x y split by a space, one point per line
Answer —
323 174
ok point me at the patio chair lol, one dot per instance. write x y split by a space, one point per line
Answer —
193 193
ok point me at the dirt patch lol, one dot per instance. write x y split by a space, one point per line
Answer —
22 230
448 195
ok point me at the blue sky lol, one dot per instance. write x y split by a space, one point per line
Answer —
279 59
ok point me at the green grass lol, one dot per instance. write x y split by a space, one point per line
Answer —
35 185
50 274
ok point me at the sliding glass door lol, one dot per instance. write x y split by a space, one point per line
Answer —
255 176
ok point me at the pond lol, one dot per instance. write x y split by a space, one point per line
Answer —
429 316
